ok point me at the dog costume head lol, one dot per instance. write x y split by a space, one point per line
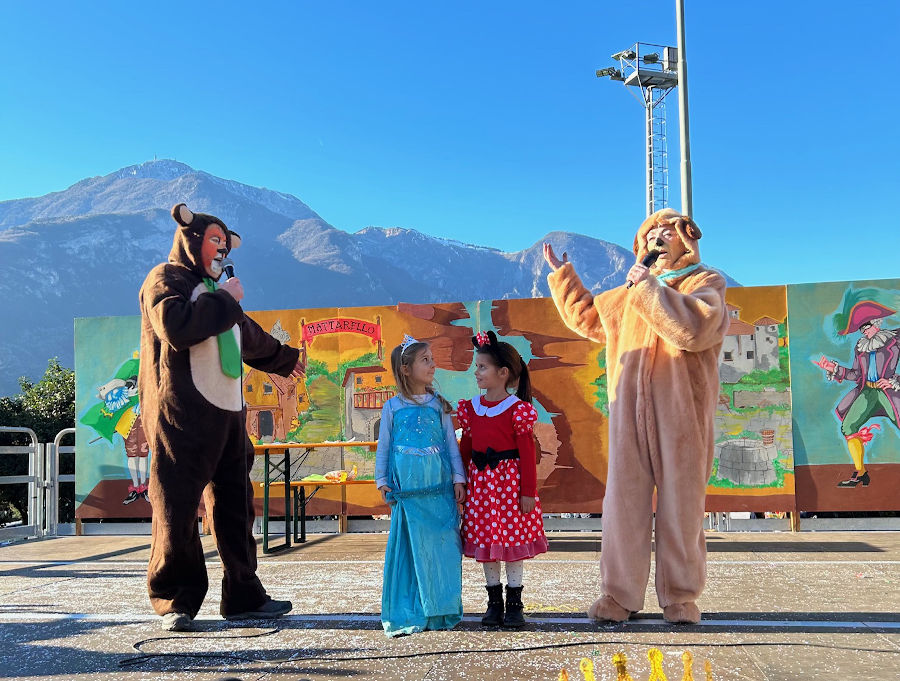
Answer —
201 242
682 250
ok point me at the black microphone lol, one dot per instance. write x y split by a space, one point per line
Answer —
647 261
228 267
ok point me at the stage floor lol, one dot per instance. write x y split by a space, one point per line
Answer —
778 606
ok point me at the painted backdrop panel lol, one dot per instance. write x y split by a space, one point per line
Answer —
753 469
824 322
348 378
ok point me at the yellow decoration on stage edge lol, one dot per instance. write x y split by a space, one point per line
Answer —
587 668
656 669
620 661
688 661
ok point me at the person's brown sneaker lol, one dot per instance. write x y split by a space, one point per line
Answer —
177 621
270 609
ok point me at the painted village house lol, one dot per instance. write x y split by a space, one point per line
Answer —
747 347
366 389
273 404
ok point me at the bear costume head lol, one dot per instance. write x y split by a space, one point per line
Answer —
681 251
201 242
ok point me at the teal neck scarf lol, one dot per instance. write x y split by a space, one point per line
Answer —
668 276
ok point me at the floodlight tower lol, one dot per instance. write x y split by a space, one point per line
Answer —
652 69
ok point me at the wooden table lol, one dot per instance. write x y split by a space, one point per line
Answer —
283 470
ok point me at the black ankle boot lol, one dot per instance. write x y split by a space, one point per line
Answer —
514 617
493 616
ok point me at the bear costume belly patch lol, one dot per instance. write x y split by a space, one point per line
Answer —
220 390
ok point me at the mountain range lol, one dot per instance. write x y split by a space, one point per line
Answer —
84 252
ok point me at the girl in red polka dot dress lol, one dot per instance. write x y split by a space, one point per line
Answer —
502 519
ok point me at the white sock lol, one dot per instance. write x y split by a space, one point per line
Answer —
492 573
514 573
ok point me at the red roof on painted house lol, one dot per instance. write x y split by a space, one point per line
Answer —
739 328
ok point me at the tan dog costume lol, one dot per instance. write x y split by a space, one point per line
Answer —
195 421
662 351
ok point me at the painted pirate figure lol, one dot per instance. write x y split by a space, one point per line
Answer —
877 390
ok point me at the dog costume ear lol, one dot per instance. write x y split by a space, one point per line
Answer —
183 216
687 227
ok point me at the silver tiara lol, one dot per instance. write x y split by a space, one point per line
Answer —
406 342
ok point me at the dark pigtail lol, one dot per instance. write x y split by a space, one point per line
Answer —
523 391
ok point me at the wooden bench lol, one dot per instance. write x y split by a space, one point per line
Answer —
297 488
302 492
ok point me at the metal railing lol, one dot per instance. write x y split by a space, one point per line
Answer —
43 480
53 478
35 481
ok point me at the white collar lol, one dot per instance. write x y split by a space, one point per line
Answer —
417 399
483 410
876 342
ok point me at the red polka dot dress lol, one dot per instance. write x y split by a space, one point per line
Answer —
494 527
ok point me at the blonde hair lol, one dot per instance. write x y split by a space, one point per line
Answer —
404 357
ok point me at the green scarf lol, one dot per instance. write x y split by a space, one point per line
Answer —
666 277
229 355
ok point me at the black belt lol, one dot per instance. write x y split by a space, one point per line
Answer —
492 458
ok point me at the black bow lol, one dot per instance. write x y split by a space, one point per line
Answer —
491 457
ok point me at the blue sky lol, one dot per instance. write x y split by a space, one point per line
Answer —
482 122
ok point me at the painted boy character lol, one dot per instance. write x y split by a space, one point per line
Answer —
119 411
877 390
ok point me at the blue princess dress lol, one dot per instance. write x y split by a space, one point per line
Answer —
420 461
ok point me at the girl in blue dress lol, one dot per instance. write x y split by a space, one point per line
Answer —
419 472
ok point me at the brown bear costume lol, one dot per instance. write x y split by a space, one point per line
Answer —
195 420
662 338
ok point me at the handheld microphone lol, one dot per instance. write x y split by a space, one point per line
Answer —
228 267
647 261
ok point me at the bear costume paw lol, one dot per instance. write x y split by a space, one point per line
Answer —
682 613
605 609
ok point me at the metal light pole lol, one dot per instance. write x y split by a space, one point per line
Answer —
655 70
687 203
651 70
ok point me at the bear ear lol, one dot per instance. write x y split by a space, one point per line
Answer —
183 216
234 238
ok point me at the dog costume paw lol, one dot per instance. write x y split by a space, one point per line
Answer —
682 613
605 609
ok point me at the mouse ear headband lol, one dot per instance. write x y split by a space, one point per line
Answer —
486 341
